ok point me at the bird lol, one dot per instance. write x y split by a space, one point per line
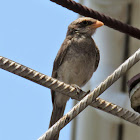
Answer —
75 63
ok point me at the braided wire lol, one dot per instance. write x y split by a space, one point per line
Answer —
54 84
36 77
68 90
104 106
108 21
88 99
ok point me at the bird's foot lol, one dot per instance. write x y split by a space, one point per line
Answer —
80 92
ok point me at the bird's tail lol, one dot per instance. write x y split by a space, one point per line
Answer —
57 113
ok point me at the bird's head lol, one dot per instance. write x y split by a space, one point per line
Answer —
84 25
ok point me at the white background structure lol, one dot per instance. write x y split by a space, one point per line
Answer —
92 124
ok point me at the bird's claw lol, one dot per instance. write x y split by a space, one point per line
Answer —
88 91
77 88
80 91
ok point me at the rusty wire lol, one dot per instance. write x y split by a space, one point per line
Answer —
108 21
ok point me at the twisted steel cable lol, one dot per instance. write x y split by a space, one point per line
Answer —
109 108
36 77
68 90
108 21
88 99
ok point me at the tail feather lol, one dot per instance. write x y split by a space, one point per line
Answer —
57 113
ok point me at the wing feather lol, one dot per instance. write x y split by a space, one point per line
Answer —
59 60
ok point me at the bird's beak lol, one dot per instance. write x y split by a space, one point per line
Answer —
97 24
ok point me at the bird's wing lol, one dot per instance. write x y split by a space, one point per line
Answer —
59 60
97 57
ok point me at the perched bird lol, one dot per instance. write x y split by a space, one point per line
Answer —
75 62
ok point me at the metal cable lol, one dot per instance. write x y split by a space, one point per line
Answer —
108 21
88 99
109 108
54 84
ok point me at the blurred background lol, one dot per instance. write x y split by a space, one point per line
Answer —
31 33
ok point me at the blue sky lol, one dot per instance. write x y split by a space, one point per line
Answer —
31 32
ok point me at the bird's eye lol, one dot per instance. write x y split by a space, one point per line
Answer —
85 22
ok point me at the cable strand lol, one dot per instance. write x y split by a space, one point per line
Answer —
108 21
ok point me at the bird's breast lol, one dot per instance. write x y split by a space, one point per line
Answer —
77 68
